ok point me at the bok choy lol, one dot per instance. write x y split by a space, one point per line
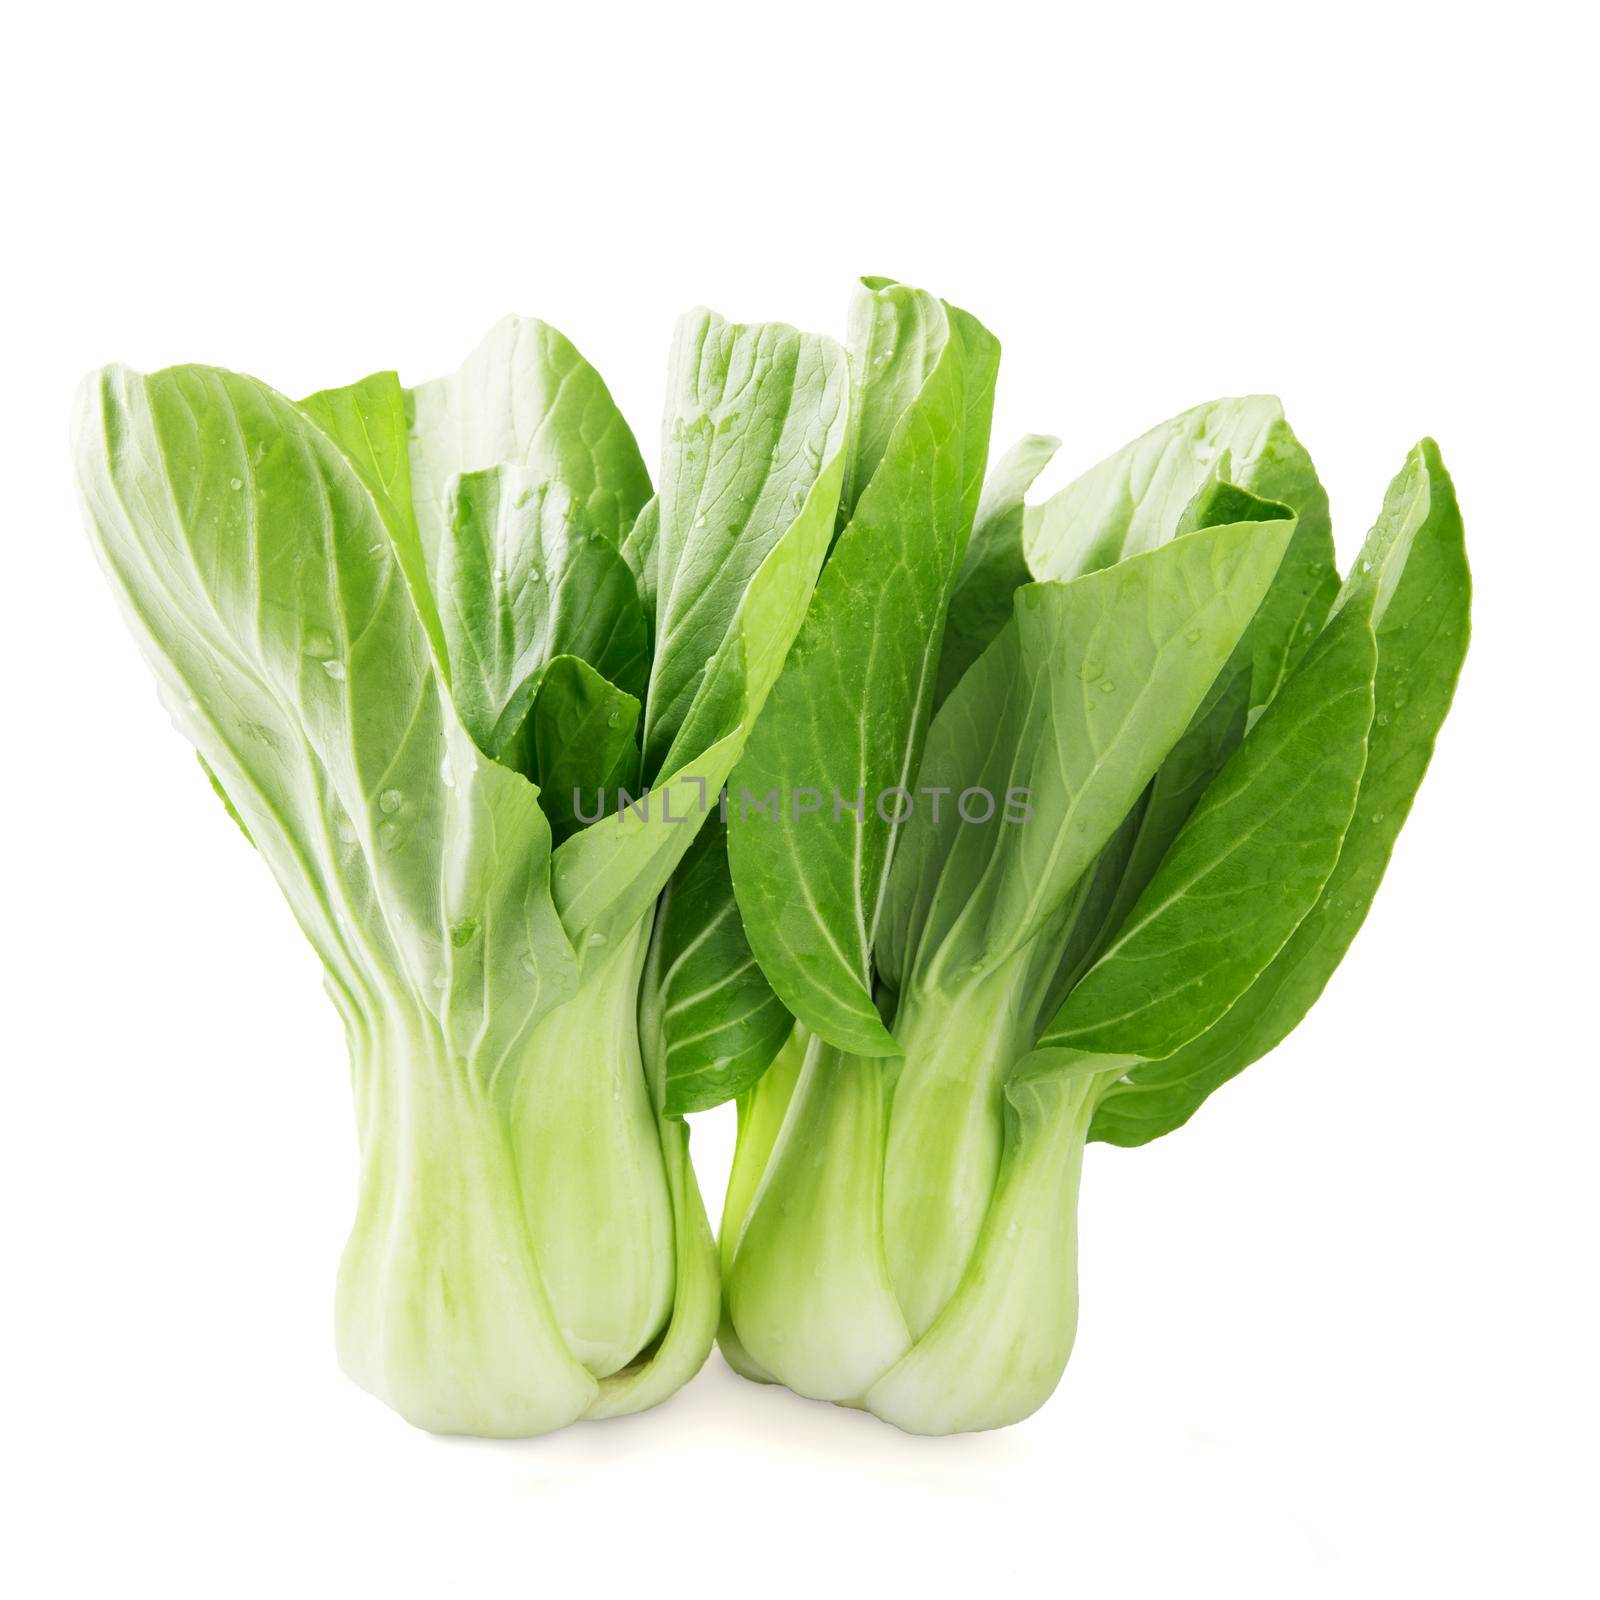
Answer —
945 832
1217 741
409 632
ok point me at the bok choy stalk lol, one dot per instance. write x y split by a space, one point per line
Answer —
408 633
1217 743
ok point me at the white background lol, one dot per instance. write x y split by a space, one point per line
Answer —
1338 1334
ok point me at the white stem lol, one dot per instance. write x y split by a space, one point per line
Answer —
440 1308
589 1162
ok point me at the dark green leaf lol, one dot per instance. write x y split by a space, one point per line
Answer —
720 1024
520 582
579 744
847 718
1413 573
994 566
1244 869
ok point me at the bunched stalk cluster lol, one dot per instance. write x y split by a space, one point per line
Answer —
944 832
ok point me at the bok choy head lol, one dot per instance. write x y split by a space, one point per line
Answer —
1157 756
421 639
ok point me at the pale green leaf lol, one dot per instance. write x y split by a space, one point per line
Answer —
755 416
1244 869
367 420
639 551
252 561
1073 706
1213 734
520 581
606 877
526 398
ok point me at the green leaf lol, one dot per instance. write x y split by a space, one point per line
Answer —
367 421
639 551
520 582
1412 571
250 557
1294 606
1075 705
1088 917
755 417
848 716
719 1023
526 398
1244 869
719 453
896 337
1132 501
579 744
994 567
507 961
1215 730
1297 604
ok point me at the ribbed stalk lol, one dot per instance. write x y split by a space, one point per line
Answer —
946 1129
761 1110
440 1310
809 1289
998 1349
589 1162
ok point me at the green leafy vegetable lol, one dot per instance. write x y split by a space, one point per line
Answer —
378 616
1164 779
943 833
